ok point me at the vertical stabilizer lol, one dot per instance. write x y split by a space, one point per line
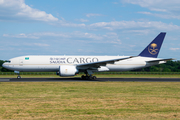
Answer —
152 50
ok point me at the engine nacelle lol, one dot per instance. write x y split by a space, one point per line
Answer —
67 70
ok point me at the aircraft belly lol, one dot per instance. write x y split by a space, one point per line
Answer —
36 68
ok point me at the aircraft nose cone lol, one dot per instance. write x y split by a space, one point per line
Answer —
4 65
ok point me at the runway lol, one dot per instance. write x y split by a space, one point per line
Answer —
97 80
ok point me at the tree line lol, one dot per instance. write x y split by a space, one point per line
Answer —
170 66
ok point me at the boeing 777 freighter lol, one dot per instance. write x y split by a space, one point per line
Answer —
72 65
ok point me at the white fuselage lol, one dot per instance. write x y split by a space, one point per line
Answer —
52 63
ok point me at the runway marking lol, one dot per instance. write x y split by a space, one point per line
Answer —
4 80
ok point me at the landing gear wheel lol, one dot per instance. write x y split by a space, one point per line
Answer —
82 77
90 77
94 77
86 77
18 77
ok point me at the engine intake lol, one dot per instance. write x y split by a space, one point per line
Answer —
67 70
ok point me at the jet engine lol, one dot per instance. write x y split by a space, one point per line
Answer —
67 70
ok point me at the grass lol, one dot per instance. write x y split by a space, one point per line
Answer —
90 100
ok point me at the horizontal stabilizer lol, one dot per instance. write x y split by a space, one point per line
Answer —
160 60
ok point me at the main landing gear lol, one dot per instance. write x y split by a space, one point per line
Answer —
88 77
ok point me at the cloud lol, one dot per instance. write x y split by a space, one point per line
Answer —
17 10
157 5
75 34
174 49
82 20
36 44
165 16
134 25
93 15
84 37
41 44
137 27
115 2
67 24
138 32
166 9
22 35
146 13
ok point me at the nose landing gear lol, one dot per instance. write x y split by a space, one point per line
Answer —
18 77
18 73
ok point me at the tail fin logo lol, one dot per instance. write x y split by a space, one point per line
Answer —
153 49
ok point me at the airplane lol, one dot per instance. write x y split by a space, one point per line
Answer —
66 66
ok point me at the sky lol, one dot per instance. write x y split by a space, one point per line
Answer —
87 27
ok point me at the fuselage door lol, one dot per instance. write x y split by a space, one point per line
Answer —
21 62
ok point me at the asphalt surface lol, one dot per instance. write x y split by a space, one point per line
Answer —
97 80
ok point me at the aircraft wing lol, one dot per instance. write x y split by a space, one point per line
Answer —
102 63
160 60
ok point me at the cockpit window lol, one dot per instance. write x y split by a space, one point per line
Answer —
8 61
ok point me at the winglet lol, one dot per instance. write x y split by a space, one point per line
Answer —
152 50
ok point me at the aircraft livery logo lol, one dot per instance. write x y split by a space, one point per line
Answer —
153 49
